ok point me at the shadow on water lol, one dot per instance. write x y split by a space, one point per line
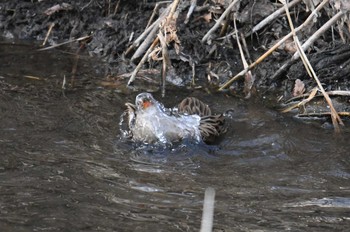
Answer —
64 167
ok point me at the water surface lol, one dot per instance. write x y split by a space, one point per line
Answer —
64 167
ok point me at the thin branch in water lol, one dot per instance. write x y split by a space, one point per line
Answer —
208 210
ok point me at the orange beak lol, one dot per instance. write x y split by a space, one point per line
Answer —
146 104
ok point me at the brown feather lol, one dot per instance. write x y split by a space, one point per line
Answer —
210 126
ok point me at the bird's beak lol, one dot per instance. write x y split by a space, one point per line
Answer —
146 104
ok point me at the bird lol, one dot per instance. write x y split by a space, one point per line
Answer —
150 122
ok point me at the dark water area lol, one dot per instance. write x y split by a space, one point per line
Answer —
64 166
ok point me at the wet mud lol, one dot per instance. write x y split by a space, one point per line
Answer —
113 25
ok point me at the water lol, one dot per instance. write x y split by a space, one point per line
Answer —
64 167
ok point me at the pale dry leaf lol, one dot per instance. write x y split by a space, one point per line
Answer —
299 88
207 17
58 7
343 5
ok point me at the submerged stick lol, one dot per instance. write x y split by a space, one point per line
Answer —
208 210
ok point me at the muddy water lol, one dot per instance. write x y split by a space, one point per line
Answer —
64 167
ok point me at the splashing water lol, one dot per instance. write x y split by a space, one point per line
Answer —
160 124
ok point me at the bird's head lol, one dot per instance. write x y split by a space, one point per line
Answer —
145 101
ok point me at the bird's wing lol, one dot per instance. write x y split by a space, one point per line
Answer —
192 105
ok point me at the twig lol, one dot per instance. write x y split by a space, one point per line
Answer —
309 42
342 113
330 93
32 77
218 22
154 12
166 60
67 42
173 9
116 8
274 47
137 42
144 58
271 18
285 66
319 32
146 43
190 10
303 102
48 33
150 32
248 80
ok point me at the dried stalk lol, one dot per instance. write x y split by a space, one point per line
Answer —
303 102
219 21
147 31
166 60
290 62
146 43
143 60
330 93
67 42
168 14
274 47
48 33
271 18
336 120
154 12
318 33
323 114
190 10
248 80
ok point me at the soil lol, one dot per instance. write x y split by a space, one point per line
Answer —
114 25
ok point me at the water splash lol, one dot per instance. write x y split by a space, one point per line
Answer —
162 125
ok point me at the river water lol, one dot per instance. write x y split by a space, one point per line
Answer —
65 167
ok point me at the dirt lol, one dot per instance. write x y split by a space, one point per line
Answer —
114 25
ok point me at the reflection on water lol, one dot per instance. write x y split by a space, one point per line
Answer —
64 167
